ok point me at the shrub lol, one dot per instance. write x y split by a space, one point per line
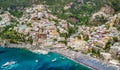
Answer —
95 52
107 46
63 41
17 14
0 18
11 35
115 4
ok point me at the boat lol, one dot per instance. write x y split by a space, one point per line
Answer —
8 63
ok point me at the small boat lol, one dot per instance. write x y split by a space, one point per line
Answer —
8 63
54 60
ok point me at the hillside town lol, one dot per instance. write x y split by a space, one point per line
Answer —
47 31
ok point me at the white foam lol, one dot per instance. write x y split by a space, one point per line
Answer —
41 51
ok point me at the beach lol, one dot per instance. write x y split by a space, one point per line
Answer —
22 59
87 60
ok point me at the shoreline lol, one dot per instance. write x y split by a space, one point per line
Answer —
78 57
77 61
86 60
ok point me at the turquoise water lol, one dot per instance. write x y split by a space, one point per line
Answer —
21 59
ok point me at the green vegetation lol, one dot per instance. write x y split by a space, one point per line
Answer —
118 28
77 14
70 30
115 4
86 51
78 11
115 39
11 35
107 46
64 35
14 3
86 38
55 39
119 58
30 40
95 52
100 20
69 47
117 23
15 7
0 18
57 6
17 14
29 24
82 12
79 37
63 41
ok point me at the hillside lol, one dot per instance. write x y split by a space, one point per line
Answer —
89 27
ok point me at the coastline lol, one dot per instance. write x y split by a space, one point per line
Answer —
43 33
78 57
86 60
71 58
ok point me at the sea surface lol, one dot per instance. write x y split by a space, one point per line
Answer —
22 59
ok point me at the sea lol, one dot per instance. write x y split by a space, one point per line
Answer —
22 59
